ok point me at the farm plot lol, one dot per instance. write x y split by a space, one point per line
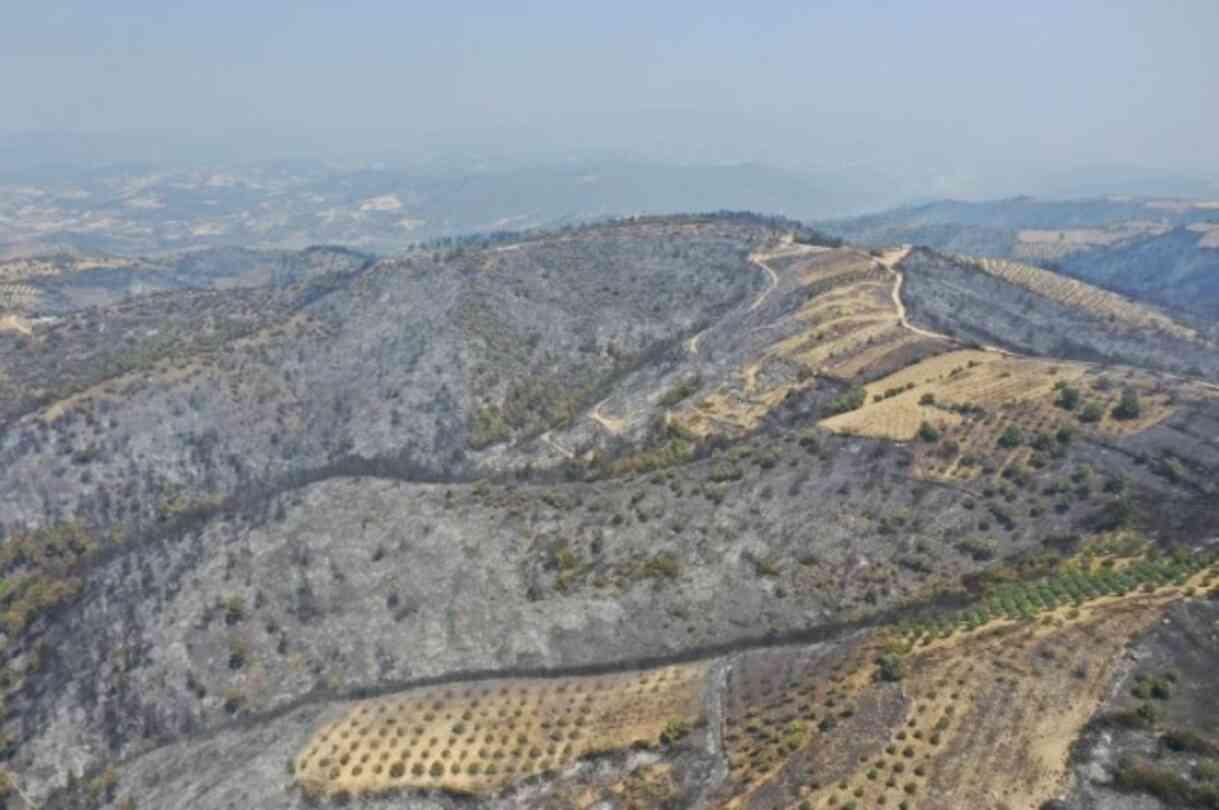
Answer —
937 714
19 296
1072 293
846 314
980 411
942 389
480 737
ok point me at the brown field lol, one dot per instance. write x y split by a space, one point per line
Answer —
892 340
1074 293
982 714
989 716
1011 391
18 296
850 328
980 718
983 378
14 323
480 737
1054 244
848 324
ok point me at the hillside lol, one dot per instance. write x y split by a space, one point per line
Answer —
1161 250
668 511
50 286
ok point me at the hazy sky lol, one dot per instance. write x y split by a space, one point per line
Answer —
813 84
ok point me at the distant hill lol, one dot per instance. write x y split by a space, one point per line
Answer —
1161 250
142 209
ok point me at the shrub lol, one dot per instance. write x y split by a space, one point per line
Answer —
889 668
673 731
234 609
234 699
1092 413
980 549
1162 783
928 433
662 566
1129 406
1185 740
851 400
1011 437
1068 398
239 651
681 391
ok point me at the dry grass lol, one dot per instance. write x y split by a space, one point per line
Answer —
1074 293
478 738
1054 244
1011 391
18 296
991 714
15 323
859 363
980 378
851 314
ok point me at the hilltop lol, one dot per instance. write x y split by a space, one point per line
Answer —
662 511
1162 250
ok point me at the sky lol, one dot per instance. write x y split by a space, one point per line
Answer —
815 85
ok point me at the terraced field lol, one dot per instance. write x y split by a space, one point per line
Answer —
971 400
478 738
1070 292
962 709
845 326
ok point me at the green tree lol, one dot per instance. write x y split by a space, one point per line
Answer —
1068 398
1129 406
1091 413
1011 437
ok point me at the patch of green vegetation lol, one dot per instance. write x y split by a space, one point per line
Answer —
1165 784
674 451
660 566
488 427
723 472
674 730
1092 413
928 433
1154 687
980 549
853 399
889 668
1185 740
1072 585
1068 396
1011 437
681 391
1129 406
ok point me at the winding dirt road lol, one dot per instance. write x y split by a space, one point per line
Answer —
612 424
788 248
889 260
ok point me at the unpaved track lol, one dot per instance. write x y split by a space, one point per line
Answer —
787 248
774 282
889 260
610 423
